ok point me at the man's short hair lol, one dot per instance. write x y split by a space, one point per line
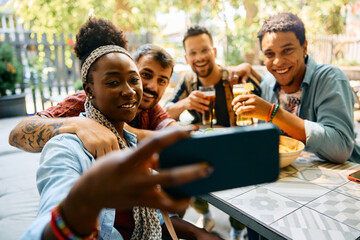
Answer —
283 22
195 31
157 53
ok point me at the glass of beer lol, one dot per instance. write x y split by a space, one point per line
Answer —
240 89
209 116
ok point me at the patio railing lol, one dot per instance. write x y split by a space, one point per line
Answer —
50 67
333 49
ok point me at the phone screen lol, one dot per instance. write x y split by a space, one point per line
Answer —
356 175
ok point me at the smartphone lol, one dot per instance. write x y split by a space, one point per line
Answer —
240 157
355 176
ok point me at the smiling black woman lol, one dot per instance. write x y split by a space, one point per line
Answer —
116 196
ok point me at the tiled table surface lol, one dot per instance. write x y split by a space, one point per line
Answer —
312 199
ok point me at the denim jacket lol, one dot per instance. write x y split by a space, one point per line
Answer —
63 160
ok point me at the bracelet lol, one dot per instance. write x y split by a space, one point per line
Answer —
63 232
270 113
55 229
273 114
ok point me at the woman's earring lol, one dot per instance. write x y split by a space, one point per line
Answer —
91 97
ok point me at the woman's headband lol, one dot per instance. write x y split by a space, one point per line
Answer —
97 53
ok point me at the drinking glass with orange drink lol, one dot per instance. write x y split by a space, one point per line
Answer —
242 89
209 116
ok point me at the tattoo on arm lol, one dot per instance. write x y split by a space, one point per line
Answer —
32 134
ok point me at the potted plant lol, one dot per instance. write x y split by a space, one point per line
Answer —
11 104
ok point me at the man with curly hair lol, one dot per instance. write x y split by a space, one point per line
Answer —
311 102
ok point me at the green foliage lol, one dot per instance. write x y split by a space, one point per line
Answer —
10 70
55 16
319 16
325 16
36 66
241 40
66 16
233 55
78 85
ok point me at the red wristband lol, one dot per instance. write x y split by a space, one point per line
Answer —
270 113
55 229
63 232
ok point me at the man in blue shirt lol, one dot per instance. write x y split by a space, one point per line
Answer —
311 102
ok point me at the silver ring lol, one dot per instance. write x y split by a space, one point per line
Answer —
243 103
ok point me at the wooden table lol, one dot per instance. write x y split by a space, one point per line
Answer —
312 199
